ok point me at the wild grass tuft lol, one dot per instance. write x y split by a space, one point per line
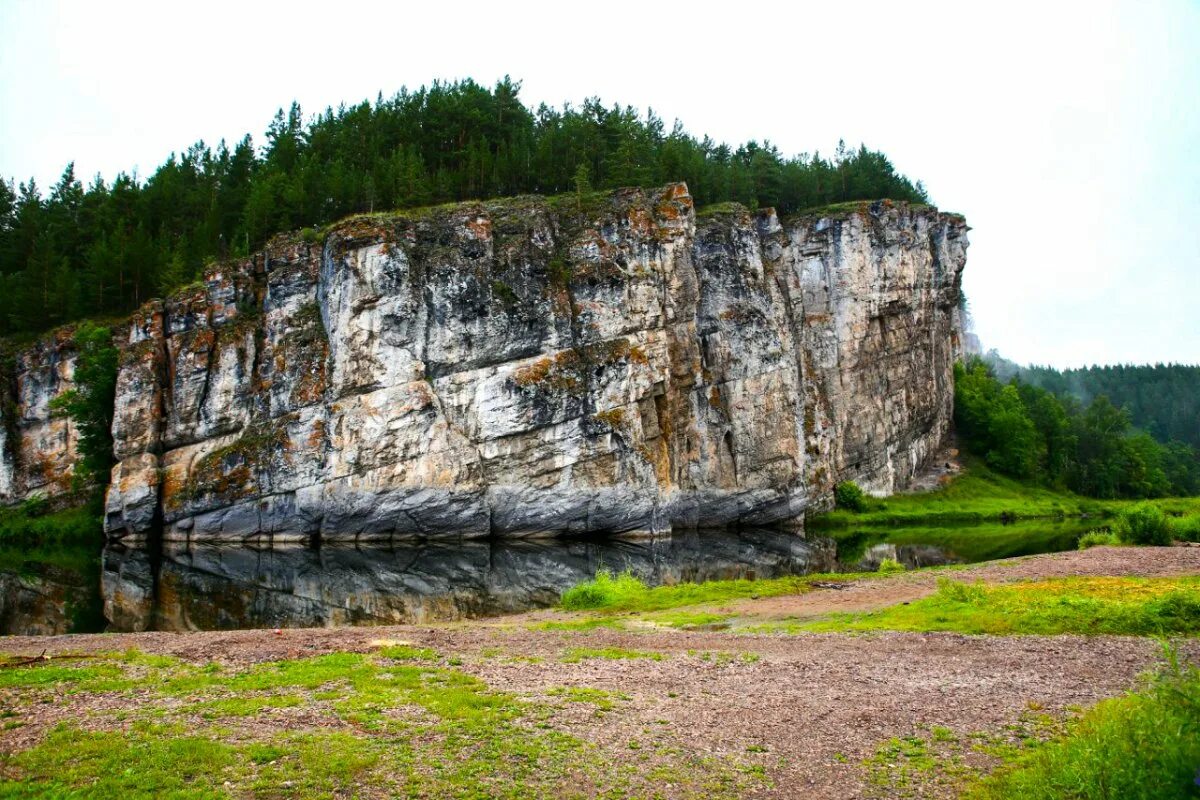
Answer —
576 654
1098 538
606 590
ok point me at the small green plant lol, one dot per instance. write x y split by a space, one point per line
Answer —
890 566
35 505
1098 538
1144 523
606 589
505 294
849 496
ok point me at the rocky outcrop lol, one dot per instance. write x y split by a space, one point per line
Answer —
613 363
37 445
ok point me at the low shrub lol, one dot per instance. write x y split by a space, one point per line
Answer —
849 496
1144 523
890 566
1098 538
1186 529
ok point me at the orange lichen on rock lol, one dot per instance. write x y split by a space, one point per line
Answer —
613 418
480 227
559 372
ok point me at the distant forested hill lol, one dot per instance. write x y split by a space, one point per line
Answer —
1163 400
1103 431
100 250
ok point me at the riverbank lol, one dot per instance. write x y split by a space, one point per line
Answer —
527 706
963 490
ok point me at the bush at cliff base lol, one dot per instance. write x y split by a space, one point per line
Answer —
849 496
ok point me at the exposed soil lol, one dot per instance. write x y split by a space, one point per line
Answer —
809 708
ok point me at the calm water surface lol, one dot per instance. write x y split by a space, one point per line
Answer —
207 587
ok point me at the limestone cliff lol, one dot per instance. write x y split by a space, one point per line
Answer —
612 363
37 446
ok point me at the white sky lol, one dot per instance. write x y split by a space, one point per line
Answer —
1066 132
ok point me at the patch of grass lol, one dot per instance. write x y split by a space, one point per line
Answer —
898 762
1186 529
583 624
603 700
935 762
606 590
576 654
976 495
611 594
1141 746
403 652
86 674
246 706
1098 539
979 494
724 656
1089 606
687 619
150 761
392 723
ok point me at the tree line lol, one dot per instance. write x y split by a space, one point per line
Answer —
1090 446
1162 399
105 248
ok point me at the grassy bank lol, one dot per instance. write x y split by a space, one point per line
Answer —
979 494
1141 746
1089 606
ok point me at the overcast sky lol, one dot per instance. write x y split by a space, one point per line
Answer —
1067 133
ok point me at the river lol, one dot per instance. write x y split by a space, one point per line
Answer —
182 587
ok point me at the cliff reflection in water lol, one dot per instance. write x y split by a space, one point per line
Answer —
204 587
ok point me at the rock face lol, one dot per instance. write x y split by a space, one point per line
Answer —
37 446
611 363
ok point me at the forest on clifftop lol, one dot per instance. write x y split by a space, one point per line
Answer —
103 249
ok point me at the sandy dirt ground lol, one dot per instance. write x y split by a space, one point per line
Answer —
810 708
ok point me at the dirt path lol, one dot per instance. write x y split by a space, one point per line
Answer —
809 709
